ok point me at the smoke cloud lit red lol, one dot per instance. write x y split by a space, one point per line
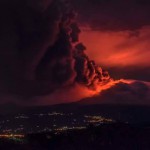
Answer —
41 51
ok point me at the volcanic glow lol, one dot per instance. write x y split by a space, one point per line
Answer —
99 87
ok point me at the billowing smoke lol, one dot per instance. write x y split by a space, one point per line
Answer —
40 49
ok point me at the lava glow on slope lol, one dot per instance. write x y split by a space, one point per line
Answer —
105 86
78 92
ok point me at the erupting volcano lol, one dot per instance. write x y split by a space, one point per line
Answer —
42 55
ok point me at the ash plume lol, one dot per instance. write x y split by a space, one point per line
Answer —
40 49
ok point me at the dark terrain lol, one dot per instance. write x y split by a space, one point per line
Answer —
128 130
117 136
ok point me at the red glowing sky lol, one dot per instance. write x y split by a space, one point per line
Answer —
118 48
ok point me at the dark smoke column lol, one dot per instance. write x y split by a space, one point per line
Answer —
40 49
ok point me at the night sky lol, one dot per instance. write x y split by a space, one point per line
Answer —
55 51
